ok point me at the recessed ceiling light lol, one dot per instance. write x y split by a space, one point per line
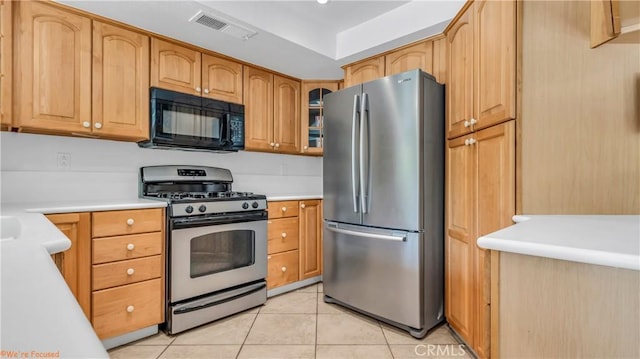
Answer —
322 1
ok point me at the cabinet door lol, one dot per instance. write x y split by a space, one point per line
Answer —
120 106
460 237
53 69
440 60
364 71
495 61
460 76
258 97
221 79
312 129
174 67
418 56
495 177
6 74
310 238
75 262
286 115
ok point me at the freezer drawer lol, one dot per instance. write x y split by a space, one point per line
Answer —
375 270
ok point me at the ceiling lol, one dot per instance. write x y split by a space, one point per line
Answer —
299 38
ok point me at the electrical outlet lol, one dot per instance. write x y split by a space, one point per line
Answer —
64 160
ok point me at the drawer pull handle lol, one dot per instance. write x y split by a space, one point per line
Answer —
284 269
130 271
284 209
130 246
284 235
130 309
130 221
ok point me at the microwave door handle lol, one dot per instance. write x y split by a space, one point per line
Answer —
227 122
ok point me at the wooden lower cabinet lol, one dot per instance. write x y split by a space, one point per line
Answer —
294 241
75 262
282 268
128 270
123 309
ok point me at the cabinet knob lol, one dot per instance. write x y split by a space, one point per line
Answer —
284 235
306 148
272 144
277 145
303 206
268 257
469 141
467 123
284 209
97 125
198 89
130 271
130 309
130 221
472 141
206 90
86 124
284 269
130 246
473 121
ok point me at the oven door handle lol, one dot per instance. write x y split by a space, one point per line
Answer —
191 222
219 299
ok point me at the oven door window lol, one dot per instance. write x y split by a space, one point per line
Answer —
221 251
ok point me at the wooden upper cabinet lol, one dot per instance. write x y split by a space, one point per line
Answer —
440 60
75 263
310 233
418 56
53 68
221 79
460 237
6 71
364 71
286 116
460 76
258 99
120 105
175 67
495 62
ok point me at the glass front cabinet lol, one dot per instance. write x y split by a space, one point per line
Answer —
312 115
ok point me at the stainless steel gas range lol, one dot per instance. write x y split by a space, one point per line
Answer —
217 243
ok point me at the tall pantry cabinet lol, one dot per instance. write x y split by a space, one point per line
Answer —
480 173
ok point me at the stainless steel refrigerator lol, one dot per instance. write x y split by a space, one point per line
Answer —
383 191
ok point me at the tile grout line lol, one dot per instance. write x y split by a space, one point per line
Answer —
315 347
249 331
386 340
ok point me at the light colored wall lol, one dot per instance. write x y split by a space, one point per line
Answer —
580 116
102 169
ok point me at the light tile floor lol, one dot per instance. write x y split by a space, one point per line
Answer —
297 324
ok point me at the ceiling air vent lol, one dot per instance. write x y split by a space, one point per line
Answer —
223 25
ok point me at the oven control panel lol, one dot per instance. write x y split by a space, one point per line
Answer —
200 208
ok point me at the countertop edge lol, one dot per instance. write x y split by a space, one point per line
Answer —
292 198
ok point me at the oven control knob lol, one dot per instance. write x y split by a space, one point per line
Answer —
254 204
189 209
245 205
202 208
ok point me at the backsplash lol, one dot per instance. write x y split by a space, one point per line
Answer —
52 168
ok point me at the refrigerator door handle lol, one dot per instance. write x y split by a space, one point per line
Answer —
397 238
364 153
355 180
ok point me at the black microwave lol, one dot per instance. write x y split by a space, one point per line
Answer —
189 122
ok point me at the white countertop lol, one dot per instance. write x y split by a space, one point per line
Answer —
608 240
38 311
293 198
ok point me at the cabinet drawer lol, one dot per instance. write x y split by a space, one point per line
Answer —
283 209
282 268
124 309
109 249
282 234
126 272
113 223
